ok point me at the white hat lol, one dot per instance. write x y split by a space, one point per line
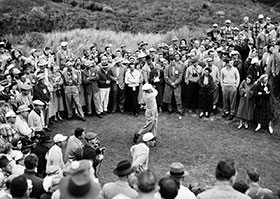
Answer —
64 43
146 87
10 113
59 138
260 16
215 25
234 52
142 55
38 102
255 60
152 50
228 21
148 136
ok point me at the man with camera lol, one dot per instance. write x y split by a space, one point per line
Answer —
92 150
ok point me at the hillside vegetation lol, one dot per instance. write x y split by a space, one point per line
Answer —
158 16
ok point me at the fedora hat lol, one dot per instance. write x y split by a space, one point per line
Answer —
23 108
123 168
90 135
79 184
177 170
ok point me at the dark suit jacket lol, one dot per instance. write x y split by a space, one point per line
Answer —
113 74
91 154
90 85
37 183
42 93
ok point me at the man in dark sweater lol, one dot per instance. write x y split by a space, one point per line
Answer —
30 163
91 150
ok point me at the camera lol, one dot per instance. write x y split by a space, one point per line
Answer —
102 150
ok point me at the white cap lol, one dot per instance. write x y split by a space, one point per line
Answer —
38 102
146 87
64 43
152 50
260 16
228 21
59 138
10 113
148 136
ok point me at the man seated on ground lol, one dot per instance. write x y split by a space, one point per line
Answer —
178 173
111 189
74 147
225 176
140 152
255 191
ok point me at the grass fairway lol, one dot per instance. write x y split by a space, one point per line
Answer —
198 143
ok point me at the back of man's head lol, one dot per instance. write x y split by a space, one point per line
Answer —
18 187
147 182
253 175
168 188
31 161
225 170
78 132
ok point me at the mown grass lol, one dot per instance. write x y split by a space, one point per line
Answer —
198 144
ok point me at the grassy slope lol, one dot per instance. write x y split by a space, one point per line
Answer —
199 145
157 16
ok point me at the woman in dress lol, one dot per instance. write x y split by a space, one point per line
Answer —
246 104
263 109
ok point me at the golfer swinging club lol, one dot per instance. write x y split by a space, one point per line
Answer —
151 114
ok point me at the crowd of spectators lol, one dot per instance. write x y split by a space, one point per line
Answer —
233 67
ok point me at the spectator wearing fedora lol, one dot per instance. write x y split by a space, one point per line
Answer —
140 152
54 156
121 186
90 79
255 191
151 113
21 121
225 178
42 93
117 76
63 55
178 172
91 150
80 183
71 82
173 76
24 96
41 149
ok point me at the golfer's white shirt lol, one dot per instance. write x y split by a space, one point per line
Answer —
140 155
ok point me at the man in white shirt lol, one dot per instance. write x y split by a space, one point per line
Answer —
140 152
36 116
54 156
151 113
178 173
